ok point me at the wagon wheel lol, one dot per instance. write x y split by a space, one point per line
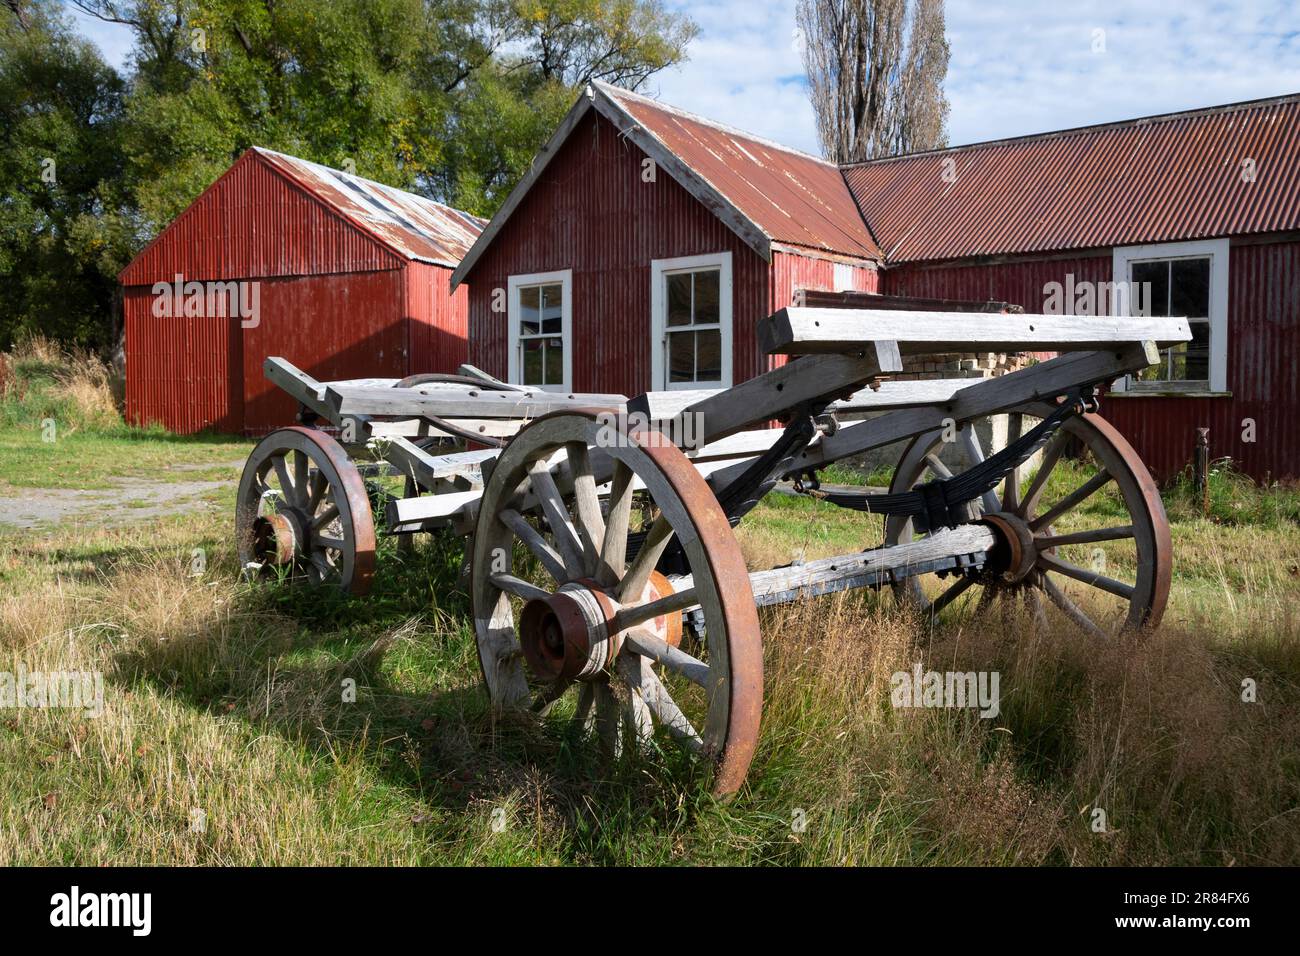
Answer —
1104 573
603 623
303 510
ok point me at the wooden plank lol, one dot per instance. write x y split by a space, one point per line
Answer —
796 331
458 401
774 393
300 386
419 428
979 400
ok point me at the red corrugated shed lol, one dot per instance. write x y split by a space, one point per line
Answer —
351 279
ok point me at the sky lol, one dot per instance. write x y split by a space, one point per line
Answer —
1017 66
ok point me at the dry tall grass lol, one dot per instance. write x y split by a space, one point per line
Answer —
42 380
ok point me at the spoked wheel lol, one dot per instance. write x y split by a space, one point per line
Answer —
596 620
303 511
1092 548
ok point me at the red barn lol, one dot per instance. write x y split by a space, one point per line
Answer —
598 273
345 277
644 245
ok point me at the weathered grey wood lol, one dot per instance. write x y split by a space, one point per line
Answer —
419 428
458 401
300 386
429 511
675 659
774 393
473 372
661 406
796 331
868 568
985 397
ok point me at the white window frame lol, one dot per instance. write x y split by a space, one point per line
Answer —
563 278
660 269
1216 250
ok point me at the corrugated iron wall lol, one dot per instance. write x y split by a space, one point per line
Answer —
1263 340
251 223
332 327
791 272
594 214
182 373
437 322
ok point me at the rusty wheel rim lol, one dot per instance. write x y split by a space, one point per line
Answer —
1122 583
603 623
302 511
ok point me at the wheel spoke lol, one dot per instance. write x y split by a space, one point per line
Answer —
652 549
591 526
632 615
325 517
1070 610
286 483
547 698
606 718
937 466
548 557
1072 500
1051 455
1091 578
300 478
950 594
673 658
585 698
613 549
975 452
557 516
338 544
665 709
316 491
519 587
1084 537
636 709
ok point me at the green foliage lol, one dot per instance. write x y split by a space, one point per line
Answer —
447 97
1234 499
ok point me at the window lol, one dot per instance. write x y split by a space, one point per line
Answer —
1188 279
540 313
690 302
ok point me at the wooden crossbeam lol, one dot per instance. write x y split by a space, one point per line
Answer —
810 331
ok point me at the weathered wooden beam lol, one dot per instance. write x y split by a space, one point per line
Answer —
300 386
458 401
775 393
803 331
1041 382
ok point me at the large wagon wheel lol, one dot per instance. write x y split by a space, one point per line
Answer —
303 511
604 623
1104 573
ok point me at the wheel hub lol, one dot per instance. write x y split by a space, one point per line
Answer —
1014 554
279 537
569 635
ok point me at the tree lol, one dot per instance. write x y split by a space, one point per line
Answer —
875 75
61 235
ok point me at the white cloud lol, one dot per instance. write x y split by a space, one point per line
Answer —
1017 67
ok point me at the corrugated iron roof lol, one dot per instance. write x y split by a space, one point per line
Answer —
1157 179
792 197
411 225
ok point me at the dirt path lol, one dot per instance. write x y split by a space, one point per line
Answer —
129 501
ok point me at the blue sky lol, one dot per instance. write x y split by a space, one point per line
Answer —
1018 66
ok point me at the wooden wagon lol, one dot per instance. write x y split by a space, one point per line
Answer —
601 559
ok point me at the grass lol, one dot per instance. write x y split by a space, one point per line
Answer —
227 737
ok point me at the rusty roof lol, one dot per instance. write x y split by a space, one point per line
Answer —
792 197
1162 178
411 225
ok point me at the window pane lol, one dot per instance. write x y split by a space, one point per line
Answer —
533 354
681 357
679 299
529 311
1189 291
552 309
1154 299
554 361
706 297
708 356
1196 366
